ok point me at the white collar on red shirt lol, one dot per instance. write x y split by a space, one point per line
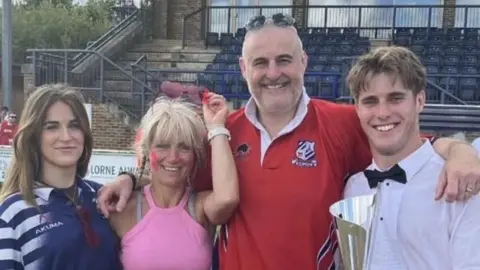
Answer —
251 114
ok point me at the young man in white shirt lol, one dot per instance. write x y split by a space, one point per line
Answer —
411 231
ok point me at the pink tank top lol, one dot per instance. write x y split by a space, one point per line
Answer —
166 239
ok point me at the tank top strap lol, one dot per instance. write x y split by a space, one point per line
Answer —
191 205
139 206
148 197
184 200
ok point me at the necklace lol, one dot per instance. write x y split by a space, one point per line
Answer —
71 194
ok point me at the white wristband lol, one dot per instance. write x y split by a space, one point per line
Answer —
217 131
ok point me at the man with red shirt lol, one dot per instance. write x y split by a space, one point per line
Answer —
8 129
293 155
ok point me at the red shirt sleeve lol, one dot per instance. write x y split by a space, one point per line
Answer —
359 156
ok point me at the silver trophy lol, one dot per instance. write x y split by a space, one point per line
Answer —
353 218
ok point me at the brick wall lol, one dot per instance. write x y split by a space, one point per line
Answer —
178 9
449 13
160 22
301 13
109 132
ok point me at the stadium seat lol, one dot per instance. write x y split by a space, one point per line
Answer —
467 88
212 39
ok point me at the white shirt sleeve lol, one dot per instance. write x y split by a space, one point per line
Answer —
10 254
465 237
476 144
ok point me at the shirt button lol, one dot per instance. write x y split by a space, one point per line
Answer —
388 184
69 203
381 218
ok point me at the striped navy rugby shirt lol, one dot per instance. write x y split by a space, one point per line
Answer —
54 239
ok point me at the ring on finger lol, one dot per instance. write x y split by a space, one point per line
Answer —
476 188
468 192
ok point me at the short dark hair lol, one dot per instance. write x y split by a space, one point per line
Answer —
399 62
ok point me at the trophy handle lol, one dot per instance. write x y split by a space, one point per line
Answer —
372 227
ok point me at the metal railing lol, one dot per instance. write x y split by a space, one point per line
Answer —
108 36
370 20
441 117
449 88
144 12
363 17
140 71
59 66
107 82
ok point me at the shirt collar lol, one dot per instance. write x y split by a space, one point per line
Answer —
415 161
45 192
251 113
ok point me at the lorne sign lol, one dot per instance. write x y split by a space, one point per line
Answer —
103 168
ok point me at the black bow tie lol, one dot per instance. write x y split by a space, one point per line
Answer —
396 173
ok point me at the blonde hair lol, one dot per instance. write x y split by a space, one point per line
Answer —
174 121
26 164
146 118
398 62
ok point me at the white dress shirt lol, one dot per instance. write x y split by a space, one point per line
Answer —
415 232
476 144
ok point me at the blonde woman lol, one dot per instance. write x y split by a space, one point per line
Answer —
48 216
167 225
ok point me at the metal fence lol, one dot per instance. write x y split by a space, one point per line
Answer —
372 21
103 82
98 78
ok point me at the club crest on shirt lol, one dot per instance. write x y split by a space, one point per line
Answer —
44 218
305 155
242 150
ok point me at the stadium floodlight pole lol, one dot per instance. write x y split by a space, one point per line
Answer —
7 53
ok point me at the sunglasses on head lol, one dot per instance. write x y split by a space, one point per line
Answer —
278 19
185 95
